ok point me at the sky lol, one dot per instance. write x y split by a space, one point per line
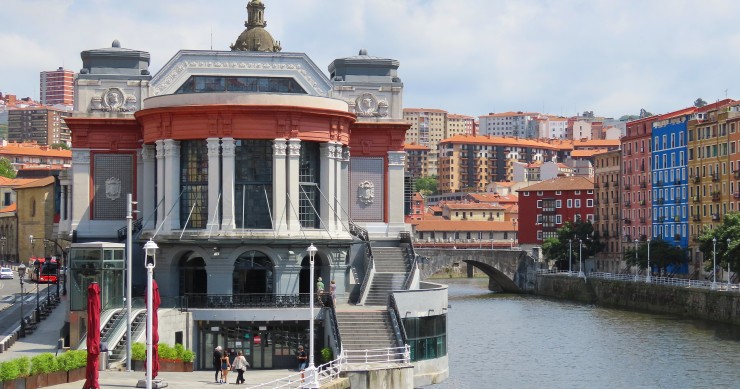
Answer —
470 57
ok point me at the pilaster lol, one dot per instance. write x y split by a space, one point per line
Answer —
394 202
228 146
81 182
342 185
214 181
147 200
293 171
327 185
159 201
279 185
172 183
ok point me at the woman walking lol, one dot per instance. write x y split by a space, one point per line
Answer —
333 293
225 367
240 365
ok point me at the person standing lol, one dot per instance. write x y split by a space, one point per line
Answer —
302 359
333 293
217 355
225 367
240 365
319 289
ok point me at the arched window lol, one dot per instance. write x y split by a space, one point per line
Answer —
253 273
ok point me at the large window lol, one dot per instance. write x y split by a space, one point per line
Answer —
194 184
427 336
253 180
310 196
206 84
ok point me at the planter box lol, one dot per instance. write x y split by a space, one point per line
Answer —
18 383
37 381
167 366
56 378
75 375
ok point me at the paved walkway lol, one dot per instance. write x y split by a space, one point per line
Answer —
44 338
197 379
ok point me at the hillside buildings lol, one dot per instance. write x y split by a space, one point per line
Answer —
42 125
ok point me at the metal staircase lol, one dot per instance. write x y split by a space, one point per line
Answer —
137 328
391 270
365 330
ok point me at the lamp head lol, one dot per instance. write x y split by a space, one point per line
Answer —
150 249
21 270
312 251
714 240
30 238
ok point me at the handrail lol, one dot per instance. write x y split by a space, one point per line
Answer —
335 330
414 259
398 328
668 281
369 273
135 227
244 300
325 374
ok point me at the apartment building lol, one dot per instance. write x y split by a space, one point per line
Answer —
56 87
607 215
43 125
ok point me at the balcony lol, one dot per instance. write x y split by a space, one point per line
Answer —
605 235
628 238
715 196
627 203
677 219
643 237
629 170
642 220
737 173
596 218
696 217
676 182
736 195
659 183
661 219
696 237
642 202
643 185
627 220
627 186
596 202
678 200
715 217
606 217
677 237
695 198
697 180
715 177
660 201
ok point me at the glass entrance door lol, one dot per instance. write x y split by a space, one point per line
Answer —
262 349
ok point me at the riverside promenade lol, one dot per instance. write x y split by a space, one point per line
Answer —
45 338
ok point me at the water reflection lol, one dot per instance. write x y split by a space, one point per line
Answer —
515 341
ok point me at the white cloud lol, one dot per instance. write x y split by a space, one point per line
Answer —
473 57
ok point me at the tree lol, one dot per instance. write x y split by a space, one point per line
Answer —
729 229
644 113
662 255
62 146
699 102
6 168
427 185
588 114
559 250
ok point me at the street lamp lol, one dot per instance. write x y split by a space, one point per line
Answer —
150 249
636 261
512 243
649 270
570 255
580 258
312 379
728 264
38 278
2 254
21 274
714 263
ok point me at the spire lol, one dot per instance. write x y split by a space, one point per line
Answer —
255 37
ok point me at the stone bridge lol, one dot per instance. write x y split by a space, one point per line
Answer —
509 271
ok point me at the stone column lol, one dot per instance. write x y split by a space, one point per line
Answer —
159 201
394 202
338 190
214 182
63 203
327 164
148 200
172 184
344 185
279 186
228 154
293 171
81 182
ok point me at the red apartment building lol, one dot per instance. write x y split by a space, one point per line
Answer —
57 87
544 207
636 176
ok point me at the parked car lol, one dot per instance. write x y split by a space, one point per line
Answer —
6 272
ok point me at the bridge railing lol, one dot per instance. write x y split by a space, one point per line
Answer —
669 281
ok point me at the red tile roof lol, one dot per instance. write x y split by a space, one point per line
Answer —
10 208
463 225
561 183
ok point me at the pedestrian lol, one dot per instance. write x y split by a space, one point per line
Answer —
225 367
319 289
240 365
302 359
217 355
333 293
232 355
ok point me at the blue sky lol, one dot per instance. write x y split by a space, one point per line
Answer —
466 56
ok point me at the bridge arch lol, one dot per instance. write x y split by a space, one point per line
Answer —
497 280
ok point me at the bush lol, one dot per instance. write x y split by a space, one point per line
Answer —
44 363
166 352
188 356
138 352
179 349
326 355
72 359
9 370
24 366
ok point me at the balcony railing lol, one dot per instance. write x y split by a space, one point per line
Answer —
677 237
676 219
606 217
696 217
627 203
661 219
660 201
250 300
696 199
605 184
715 196
659 183
715 217
627 220
697 179
737 195
642 220
643 185
627 186
715 176
676 182
597 218
737 173
628 238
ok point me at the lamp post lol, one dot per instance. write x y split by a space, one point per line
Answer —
129 261
512 243
728 264
150 249
38 278
714 263
311 373
580 258
2 254
636 263
649 270
21 274
60 265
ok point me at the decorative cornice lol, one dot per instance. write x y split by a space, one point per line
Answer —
159 147
148 152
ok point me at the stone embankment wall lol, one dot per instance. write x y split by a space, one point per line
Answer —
690 302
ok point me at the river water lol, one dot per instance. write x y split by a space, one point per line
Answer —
511 341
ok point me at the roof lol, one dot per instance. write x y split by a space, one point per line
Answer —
10 208
460 205
414 146
587 153
419 110
40 183
510 113
463 225
13 182
561 183
493 197
499 141
34 149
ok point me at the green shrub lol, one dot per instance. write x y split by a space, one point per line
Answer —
9 370
138 352
326 355
188 356
179 349
72 359
24 366
167 352
44 363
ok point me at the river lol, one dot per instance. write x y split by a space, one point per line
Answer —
512 341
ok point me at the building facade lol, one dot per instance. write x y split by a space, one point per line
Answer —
637 180
42 125
607 214
56 87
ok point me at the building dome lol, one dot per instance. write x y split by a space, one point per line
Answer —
256 37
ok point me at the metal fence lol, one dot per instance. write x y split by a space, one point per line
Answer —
669 281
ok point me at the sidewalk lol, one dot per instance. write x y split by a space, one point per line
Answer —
44 338
196 379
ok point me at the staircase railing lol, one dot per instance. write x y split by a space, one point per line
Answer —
369 274
359 232
135 227
334 323
398 328
411 255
